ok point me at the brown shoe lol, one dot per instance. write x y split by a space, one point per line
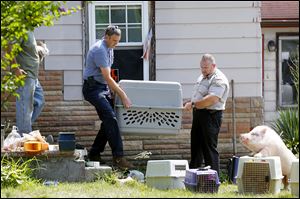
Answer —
122 163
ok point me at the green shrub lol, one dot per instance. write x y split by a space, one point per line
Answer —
287 126
223 176
110 177
14 173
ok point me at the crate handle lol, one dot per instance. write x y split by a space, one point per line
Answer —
203 168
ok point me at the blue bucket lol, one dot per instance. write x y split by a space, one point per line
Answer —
66 145
66 141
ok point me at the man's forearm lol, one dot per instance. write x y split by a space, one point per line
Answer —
206 101
115 87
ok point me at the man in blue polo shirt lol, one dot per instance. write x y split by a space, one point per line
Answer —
96 90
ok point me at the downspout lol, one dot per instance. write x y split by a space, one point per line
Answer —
263 65
152 57
233 118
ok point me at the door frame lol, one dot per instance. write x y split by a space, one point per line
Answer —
145 26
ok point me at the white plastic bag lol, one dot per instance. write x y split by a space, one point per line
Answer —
135 174
13 140
37 135
42 49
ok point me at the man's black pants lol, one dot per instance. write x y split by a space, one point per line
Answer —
204 138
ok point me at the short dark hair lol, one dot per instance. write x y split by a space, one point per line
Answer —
112 30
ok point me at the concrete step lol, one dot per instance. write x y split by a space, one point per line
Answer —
61 167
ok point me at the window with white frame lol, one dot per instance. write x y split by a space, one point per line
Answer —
132 18
127 17
288 53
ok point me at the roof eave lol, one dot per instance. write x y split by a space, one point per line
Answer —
280 23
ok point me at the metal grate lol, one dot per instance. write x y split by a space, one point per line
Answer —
256 177
207 183
158 118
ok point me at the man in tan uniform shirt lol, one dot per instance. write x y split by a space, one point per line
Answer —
208 102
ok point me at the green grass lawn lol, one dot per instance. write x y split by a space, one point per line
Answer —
132 189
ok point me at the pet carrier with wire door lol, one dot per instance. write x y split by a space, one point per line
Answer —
166 174
259 175
156 108
202 180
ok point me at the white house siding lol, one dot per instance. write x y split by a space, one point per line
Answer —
229 30
270 112
64 41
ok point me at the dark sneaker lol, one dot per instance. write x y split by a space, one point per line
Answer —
122 163
50 139
79 146
95 158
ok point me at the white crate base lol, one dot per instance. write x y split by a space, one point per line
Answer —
167 182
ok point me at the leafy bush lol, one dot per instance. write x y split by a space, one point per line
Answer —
287 126
223 177
14 173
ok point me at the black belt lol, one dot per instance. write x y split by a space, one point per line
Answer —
211 111
95 82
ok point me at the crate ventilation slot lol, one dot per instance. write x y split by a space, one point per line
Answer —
159 118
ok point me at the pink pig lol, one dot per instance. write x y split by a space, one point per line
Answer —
264 141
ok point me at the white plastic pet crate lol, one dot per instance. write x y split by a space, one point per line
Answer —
156 108
166 174
294 178
259 175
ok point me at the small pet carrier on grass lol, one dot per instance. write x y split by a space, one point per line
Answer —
259 175
203 180
166 174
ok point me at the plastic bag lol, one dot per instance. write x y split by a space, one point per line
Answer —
13 140
37 135
42 49
135 174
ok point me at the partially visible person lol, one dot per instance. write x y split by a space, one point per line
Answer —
31 101
96 90
207 102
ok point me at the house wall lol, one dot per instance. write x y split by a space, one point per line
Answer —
229 30
270 109
65 43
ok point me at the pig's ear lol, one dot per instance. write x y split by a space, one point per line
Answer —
263 131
